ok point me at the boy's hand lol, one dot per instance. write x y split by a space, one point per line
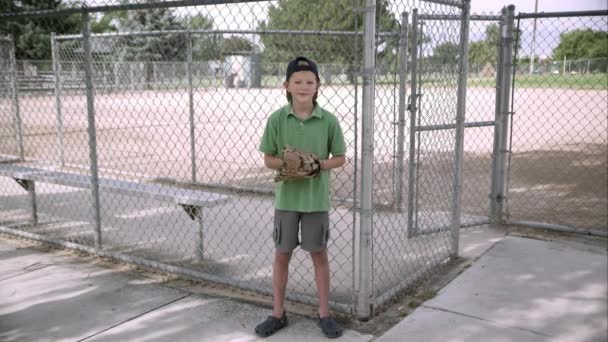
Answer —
298 165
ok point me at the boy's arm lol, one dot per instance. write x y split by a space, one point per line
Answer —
333 162
272 162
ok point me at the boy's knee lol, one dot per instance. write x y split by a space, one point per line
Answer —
282 257
319 256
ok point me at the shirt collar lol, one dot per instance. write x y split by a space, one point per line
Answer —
317 112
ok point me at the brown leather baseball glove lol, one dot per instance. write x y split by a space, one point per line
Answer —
298 165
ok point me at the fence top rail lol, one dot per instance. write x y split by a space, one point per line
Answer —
261 32
454 3
562 14
472 17
119 7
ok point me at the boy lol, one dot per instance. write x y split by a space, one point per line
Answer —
302 205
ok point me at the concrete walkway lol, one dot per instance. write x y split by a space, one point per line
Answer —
51 297
518 290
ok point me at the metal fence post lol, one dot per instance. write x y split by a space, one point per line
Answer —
401 122
503 92
57 79
497 131
412 108
15 98
367 158
88 77
463 62
115 66
191 107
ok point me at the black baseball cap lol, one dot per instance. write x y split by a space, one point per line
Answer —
301 64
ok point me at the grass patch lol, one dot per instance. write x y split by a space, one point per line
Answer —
586 81
427 294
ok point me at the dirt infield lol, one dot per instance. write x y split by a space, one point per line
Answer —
559 140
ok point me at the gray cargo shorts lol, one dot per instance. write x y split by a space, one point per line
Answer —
314 230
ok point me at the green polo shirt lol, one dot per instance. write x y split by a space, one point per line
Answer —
320 134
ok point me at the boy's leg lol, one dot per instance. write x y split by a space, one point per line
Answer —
321 264
280 272
285 236
315 233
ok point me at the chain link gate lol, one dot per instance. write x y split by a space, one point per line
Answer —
416 198
432 144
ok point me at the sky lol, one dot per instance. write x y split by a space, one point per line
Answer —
527 6
548 30
246 16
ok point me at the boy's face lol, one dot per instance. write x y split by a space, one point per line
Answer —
302 85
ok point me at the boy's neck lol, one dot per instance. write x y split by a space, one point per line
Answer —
303 110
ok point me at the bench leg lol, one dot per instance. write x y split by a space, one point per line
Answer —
32 193
30 187
199 234
196 214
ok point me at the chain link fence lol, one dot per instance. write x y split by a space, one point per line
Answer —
10 125
169 109
480 117
559 145
140 133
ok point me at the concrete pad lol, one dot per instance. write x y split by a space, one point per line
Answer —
474 241
432 325
16 261
199 318
50 297
544 287
69 302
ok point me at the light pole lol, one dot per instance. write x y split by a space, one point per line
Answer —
533 39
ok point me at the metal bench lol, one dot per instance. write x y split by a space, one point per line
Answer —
193 201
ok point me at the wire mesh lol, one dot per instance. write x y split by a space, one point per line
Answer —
181 94
9 149
405 253
180 103
559 143
480 109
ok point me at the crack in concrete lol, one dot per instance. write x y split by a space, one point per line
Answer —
489 321
135 317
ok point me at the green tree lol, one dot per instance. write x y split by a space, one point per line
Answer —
205 47
321 15
582 44
164 47
485 51
237 45
446 53
33 35
152 48
107 22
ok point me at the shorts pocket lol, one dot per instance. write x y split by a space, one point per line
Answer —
324 234
276 233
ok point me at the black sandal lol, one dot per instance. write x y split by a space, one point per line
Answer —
271 325
330 328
